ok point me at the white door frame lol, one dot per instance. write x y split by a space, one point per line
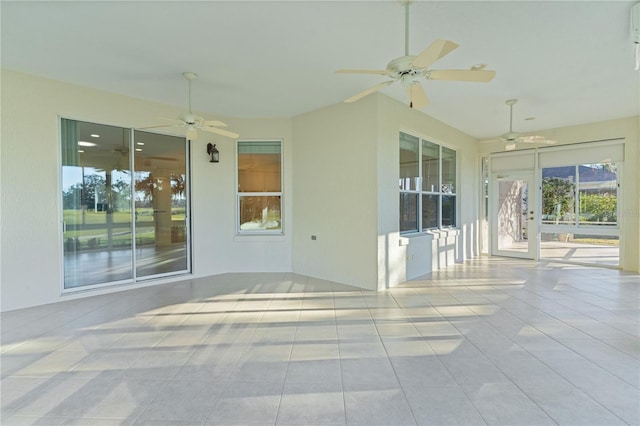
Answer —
531 250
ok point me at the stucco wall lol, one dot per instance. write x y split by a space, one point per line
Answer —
394 117
31 247
340 172
335 193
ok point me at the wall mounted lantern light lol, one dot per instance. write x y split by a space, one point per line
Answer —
214 154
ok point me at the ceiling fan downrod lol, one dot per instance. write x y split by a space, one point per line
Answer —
189 76
511 102
406 26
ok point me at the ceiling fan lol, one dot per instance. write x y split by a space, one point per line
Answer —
408 69
193 122
511 138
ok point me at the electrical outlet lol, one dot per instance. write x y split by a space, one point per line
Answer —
313 237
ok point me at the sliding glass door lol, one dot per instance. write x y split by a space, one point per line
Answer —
160 204
125 204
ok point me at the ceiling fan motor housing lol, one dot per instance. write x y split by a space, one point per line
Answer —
401 66
510 136
190 119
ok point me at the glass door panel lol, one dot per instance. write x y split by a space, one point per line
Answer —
161 207
96 202
515 232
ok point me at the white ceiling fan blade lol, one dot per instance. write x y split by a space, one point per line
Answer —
221 132
491 140
160 126
478 76
369 91
215 123
417 98
433 52
174 120
192 133
378 72
536 139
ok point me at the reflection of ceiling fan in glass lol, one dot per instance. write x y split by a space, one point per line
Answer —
410 69
193 122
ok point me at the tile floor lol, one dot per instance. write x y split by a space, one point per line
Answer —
490 341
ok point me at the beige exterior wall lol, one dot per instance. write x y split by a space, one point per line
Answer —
335 193
340 168
31 219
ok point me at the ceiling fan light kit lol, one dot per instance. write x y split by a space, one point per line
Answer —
410 69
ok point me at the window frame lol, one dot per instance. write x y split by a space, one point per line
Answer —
421 193
239 194
135 260
576 225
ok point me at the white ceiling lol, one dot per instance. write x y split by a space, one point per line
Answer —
567 62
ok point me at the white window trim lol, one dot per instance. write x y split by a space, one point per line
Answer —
421 229
582 227
260 233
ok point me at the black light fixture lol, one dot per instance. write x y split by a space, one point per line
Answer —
214 154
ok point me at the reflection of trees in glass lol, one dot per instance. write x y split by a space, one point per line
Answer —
121 195
557 197
145 187
84 193
178 187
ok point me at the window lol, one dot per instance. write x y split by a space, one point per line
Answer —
427 184
259 193
584 195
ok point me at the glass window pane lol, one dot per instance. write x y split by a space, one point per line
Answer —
160 215
259 168
512 226
260 213
409 171
408 212
598 195
96 202
448 210
448 171
430 209
430 167
558 189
